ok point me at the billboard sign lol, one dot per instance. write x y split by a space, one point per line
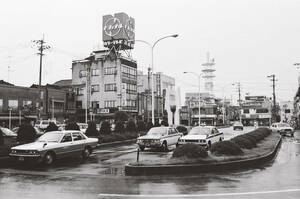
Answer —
118 29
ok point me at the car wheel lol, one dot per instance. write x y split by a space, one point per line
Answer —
49 158
86 153
142 148
220 140
165 146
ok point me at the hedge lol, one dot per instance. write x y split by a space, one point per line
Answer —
190 151
226 148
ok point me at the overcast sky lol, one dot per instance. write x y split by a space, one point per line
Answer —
248 39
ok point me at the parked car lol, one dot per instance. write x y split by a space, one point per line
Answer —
182 129
238 125
7 132
159 137
282 128
55 145
83 127
202 135
43 124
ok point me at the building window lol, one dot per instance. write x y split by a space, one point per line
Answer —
95 104
129 72
27 103
246 111
78 104
1 105
110 71
131 88
262 110
13 104
109 104
78 91
95 72
82 73
95 88
130 103
110 87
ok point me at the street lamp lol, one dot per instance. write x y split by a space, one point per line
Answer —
199 76
9 122
152 66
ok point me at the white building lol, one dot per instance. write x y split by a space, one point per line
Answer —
104 84
286 110
166 96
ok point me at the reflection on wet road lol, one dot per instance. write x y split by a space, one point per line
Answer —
102 177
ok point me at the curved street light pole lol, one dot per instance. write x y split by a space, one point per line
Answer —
199 95
152 66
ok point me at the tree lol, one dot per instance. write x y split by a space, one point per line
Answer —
92 129
121 116
1 137
105 128
149 125
119 127
141 126
131 127
72 126
26 134
51 127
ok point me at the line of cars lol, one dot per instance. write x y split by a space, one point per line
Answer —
163 137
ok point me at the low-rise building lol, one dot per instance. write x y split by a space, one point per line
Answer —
210 112
256 109
18 103
286 111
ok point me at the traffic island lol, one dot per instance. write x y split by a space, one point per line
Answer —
262 148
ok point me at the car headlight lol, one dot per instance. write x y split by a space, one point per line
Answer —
13 151
33 152
139 141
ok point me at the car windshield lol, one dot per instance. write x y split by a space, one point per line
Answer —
45 122
50 137
157 131
200 131
8 132
283 125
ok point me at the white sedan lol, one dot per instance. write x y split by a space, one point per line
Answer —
159 137
54 145
282 128
202 135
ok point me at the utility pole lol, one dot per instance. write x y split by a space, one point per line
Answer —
41 45
239 91
274 97
147 94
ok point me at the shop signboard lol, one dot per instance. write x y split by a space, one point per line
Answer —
118 29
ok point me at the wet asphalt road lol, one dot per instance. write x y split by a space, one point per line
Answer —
102 176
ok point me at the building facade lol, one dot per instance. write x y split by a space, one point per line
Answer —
210 113
286 111
256 109
104 83
166 104
19 103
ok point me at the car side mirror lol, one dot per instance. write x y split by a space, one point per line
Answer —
45 144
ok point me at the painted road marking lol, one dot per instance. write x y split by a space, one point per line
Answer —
198 195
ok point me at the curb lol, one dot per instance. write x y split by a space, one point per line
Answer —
198 168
